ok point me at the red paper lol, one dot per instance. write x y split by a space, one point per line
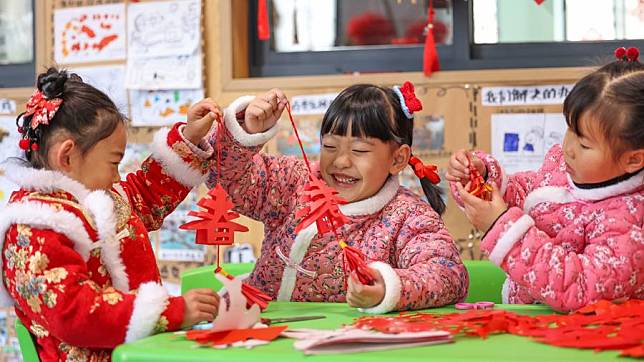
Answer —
601 326
356 262
210 338
322 207
215 226
252 294
478 186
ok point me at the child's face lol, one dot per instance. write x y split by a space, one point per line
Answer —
588 156
358 167
98 168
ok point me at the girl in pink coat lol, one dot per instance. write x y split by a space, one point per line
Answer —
570 234
366 140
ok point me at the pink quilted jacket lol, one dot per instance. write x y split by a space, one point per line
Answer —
402 236
563 245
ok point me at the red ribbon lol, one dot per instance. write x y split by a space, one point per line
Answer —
424 171
411 101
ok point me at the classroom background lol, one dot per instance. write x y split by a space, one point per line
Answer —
505 68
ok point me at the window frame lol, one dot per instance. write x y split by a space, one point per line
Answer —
462 54
22 74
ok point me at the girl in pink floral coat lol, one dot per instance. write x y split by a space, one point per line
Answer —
366 141
570 233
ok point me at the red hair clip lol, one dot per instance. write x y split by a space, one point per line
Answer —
424 171
408 100
628 55
42 109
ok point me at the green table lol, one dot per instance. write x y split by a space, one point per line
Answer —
168 347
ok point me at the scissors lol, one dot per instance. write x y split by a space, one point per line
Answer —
477 305
267 321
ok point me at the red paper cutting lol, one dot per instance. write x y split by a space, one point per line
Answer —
252 294
478 186
208 338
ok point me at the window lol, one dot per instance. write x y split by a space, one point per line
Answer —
16 43
345 36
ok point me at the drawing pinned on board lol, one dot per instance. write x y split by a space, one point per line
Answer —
511 142
110 80
174 72
90 33
162 108
158 29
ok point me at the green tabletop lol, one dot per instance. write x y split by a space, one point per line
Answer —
168 347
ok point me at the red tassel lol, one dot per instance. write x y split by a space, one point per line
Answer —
430 55
355 262
539 2
263 29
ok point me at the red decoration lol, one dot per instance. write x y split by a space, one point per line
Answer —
412 103
209 338
322 207
620 53
430 55
478 186
539 2
601 326
252 294
215 226
42 109
370 29
263 27
24 144
424 171
632 54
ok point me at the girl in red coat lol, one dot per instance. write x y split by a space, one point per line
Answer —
76 259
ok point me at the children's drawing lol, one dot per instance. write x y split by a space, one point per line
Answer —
7 106
173 72
521 140
108 79
90 33
162 108
158 29
309 130
9 138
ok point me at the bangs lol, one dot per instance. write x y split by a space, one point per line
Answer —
581 99
363 113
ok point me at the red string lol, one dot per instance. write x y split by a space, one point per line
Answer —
220 129
297 135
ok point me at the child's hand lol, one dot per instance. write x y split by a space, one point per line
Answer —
482 214
458 169
365 296
263 112
200 118
201 305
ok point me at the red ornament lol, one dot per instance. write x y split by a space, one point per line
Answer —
478 186
34 147
620 53
209 338
215 226
322 207
539 2
632 54
355 261
24 144
42 109
252 294
424 171
263 27
412 103
370 29
431 62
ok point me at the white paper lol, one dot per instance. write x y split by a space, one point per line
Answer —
521 140
162 108
110 80
90 33
234 315
9 138
159 29
174 72
7 106
525 95
312 103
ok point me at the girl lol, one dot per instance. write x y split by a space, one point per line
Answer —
366 141
76 258
570 234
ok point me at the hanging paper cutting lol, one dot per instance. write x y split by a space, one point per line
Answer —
168 28
90 33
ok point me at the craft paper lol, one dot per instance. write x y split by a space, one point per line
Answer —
173 72
162 108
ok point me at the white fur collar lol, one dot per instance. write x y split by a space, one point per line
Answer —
629 185
98 203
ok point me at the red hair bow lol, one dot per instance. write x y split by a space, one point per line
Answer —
42 109
631 54
427 171
411 102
